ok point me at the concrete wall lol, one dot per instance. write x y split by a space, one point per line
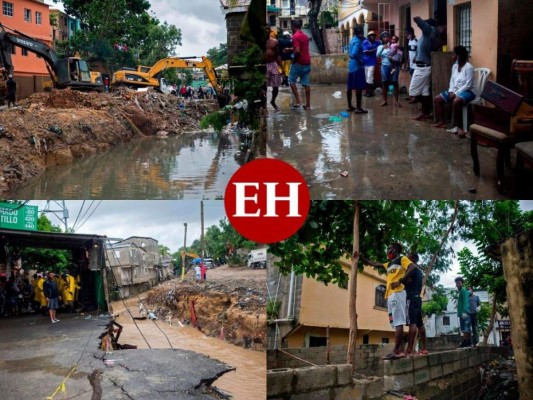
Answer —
517 258
324 382
484 32
329 68
447 375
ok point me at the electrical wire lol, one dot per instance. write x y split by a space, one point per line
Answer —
142 304
78 216
90 215
87 211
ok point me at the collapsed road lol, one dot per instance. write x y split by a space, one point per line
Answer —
44 356
55 128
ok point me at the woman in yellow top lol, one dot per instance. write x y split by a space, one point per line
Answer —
39 292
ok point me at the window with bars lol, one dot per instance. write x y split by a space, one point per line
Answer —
380 297
463 18
7 8
27 15
446 320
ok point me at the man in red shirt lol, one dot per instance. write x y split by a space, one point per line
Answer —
301 65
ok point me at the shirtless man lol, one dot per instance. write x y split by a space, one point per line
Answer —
273 60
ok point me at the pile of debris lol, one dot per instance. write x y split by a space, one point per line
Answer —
499 380
231 310
55 128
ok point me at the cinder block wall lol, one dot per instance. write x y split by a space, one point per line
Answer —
368 357
449 375
332 382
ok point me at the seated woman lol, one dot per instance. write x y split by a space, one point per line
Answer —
461 91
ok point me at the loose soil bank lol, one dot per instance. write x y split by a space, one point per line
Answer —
231 304
54 128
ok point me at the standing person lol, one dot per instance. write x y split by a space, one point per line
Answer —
412 45
301 65
197 272
285 42
474 305
421 79
356 71
203 270
370 47
11 96
399 268
413 288
461 91
51 293
463 307
273 67
70 289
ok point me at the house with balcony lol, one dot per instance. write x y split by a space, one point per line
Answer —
32 18
135 265
310 311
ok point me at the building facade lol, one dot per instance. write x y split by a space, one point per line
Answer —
32 18
487 28
135 263
309 310
65 26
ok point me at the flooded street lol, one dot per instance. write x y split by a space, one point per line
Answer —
247 382
384 152
191 166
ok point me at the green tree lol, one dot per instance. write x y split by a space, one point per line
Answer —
437 303
164 250
43 259
337 229
126 22
489 223
218 55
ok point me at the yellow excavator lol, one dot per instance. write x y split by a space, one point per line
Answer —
144 76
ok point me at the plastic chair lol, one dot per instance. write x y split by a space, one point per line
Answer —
482 74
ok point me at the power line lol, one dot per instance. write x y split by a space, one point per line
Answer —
79 212
95 208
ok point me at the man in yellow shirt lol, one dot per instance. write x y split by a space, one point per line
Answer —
398 268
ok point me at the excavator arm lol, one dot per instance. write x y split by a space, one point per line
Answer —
8 40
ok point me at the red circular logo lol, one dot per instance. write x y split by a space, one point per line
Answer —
267 200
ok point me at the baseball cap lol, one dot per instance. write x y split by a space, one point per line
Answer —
286 33
371 33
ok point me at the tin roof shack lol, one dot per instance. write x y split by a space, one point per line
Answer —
135 262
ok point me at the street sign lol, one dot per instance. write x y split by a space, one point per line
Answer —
15 216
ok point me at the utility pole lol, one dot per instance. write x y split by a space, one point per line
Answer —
63 210
183 255
202 235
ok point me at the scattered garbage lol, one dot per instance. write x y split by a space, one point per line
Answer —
344 174
499 380
337 94
152 316
335 118
344 114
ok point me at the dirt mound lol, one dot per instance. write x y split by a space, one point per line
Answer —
235 310
55 128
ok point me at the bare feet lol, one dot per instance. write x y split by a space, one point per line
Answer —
421 117
439 125
383 103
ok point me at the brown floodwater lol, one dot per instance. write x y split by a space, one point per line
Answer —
248 381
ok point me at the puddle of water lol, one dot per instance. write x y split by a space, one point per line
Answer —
188 166
248 381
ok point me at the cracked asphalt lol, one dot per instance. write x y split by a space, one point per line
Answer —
36 356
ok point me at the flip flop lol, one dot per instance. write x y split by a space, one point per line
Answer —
422 352
383 103
350 109
360 111
438 125
394 356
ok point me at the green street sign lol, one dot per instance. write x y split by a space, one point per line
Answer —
13 216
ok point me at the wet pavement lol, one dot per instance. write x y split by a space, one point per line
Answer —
384 152
191 166
36 356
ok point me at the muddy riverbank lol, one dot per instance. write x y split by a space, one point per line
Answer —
51 129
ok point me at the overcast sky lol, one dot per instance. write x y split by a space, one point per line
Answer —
201 22
160 219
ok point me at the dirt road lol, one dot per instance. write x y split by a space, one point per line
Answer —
224 285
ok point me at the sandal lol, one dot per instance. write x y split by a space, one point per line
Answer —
350 109
439 125
383 103
394 356
422 353
360 111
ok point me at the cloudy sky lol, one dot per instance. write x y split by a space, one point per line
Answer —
160 219
201 22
